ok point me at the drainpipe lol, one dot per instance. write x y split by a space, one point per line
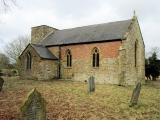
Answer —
59 63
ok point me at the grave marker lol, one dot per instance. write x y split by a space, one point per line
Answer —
91 84
34 107
1 83
135 95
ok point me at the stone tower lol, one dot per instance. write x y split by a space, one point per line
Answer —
40 32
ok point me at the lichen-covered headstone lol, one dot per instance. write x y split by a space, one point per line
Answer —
1 83
135 95
91 84
34 107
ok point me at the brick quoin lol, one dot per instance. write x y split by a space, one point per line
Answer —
84 51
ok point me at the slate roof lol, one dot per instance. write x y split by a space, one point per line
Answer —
43 52
91 33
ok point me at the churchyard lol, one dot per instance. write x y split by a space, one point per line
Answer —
67 100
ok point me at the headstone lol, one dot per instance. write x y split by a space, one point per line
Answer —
34 107
1 74
122 79
135 95
1 83
91 84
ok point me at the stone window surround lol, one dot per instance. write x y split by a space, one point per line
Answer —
69 58
28 61
95 57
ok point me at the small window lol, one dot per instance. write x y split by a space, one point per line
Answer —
29 61
69 58
95 58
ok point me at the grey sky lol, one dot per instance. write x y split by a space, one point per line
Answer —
63 14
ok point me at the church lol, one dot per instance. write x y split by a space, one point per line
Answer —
114 53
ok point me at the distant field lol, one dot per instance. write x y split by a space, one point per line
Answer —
68 100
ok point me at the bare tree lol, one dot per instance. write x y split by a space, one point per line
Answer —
15 48
6 4
153 50
4 61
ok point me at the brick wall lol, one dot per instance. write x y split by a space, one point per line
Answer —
117 60
82 62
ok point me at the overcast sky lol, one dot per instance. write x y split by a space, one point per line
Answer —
63 14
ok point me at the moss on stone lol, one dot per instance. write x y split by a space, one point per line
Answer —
35 102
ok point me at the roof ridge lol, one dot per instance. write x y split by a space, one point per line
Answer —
50 33
41 51
37 45
95 24
90 33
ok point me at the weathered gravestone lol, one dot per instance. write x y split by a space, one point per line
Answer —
135 95
91 84
1 83
34 107
1 74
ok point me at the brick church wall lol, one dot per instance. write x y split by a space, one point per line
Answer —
82 69
117 59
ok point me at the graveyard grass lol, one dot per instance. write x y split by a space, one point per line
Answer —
69 100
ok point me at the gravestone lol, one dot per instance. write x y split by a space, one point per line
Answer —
91 84
34 107
1 83
1 74
135 95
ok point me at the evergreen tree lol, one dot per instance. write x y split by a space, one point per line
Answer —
154 66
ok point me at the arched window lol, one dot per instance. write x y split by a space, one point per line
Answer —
69 58
95 57
135 50
29 61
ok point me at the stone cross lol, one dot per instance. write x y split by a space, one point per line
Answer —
1 83
135 95
34 107
91 84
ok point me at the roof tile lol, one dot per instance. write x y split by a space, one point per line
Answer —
91 33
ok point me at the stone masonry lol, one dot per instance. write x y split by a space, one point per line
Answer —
133 73
40 32
82 62
41 69
121 61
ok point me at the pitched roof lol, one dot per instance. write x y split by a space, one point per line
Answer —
43 52
91 33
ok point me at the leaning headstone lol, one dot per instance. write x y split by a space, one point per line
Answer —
91 84
1 83
34 107
135 95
